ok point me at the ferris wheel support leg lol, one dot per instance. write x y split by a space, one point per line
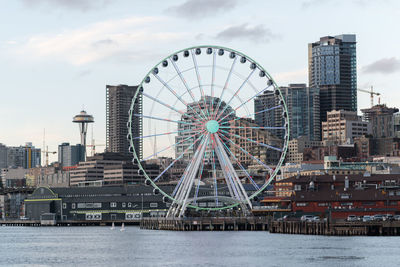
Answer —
235 182
178 207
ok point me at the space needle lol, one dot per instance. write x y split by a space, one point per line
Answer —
83 119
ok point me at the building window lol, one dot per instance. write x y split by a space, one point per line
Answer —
123 204
64 205
301 204
153 205
129 205
73 206
113 204
297 187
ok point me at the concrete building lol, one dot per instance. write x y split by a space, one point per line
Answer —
303 106
70 155
14 177
396 124
342 126
381 119
127 173
240 131
118 103
52 177
296 148
332 68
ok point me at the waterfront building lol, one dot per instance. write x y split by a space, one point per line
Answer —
118 103
303 106
332 69
342 126
295 153
108 203
70 155
381 119
341 195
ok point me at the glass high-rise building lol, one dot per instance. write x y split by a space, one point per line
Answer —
118 103
70 155
303 107
333 71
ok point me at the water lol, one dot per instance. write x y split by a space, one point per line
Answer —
100 246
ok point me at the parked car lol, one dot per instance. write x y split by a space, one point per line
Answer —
397 217
352 218
315 219
379 217
389 217
307 218
367 218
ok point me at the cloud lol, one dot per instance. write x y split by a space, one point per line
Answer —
383 66
108 40
257 33
81 5
198 9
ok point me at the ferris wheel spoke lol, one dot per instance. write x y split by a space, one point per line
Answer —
201 172
235 94
199 81
191 171
168 133
177 187
245 102
241 193
240 165
168 147
165 105
225 86
162 119
213 79
248 116
253 127
214 173
246 152
187 87
178 158
254 141
175 94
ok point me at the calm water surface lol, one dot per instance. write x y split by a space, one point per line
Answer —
100 246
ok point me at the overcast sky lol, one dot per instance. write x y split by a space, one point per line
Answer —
58 55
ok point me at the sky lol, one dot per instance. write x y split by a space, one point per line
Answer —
57 56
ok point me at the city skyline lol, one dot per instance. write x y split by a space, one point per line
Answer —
65 63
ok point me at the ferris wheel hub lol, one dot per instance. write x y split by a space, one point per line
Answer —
212 126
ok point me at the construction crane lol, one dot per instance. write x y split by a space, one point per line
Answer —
93 146
371 92
46 154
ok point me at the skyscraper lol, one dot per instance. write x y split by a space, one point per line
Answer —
118 102
303 107
273 117
69 155
332 69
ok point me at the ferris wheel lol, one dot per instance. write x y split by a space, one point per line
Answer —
217 123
